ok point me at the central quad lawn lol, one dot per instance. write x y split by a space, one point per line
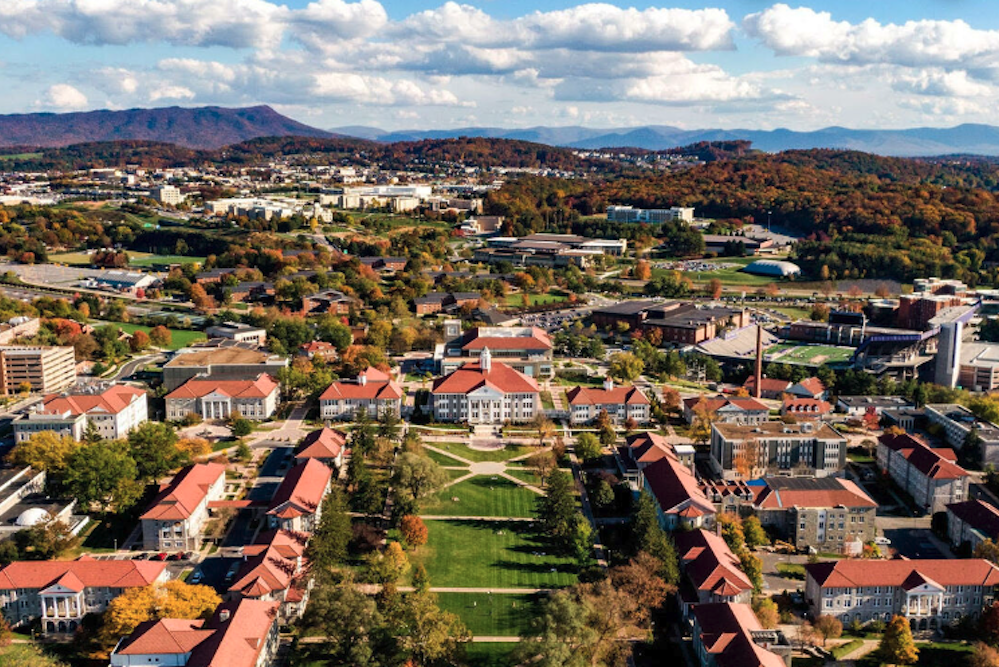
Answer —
524 475
491 615
442 459
466 452
490 654
179 337
482 496
491 554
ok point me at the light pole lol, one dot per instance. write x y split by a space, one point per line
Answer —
768 221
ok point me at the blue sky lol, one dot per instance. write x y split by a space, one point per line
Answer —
419 64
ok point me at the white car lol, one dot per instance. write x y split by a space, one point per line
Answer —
883 541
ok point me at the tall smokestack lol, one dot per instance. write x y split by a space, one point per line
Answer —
759 361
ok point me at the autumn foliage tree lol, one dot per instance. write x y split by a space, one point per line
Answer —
160 336
897 646
173 599
413 530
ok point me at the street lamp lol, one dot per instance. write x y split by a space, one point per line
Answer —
768 221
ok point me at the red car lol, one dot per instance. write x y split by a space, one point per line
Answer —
160 556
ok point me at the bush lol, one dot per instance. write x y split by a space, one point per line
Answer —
241 427
847 648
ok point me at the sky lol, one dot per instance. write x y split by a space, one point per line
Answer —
418 64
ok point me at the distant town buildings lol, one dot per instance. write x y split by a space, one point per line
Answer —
527 350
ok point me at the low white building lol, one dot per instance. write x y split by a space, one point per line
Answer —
486 392
620 403
114 412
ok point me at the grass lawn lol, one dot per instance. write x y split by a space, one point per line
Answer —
455 474
794 313
179 337
791 570
163 260
488 654
525 475
466 452
547 402
490 615
491 554
482 496
727 276
846 648
442 459
809 355
517 299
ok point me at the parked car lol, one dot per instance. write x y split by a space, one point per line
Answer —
139 556
160 556
196 577
176 556
883 541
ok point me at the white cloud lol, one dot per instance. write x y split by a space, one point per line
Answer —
171 93
939 82
805 32
324 21
63 97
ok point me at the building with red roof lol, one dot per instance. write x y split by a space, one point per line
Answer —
274 569
114 412
930 593
643 449
970 523
806 408
711 572
808 388
769 387
325 444
726 409
929 475
318 348
177 515
297 503
255 399
674 487
241 633
729 635
620 403
62 592
528 350
485 392
373 390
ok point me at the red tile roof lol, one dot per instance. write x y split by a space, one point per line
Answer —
167 636
856 573
768 384
933 463
980 516
262 387
324 443
825 492
377 385
87 571
302 490
501 377
673 484
615 396
648 447
807 406
111 401
716 403
812 385
179 498
709 564
726 633
538 340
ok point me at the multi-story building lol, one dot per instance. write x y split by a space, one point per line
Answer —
680 501
527 350
273 569
725 410
43 369
958 422
726 634
620 404
711 572
829 514
114 413
177 515
930 476
774 448
930 593
439 302
485 392
220 363
674 321
328 301
167 194
61 593
970 523
375 391
239 332
298 502
219 399
632 214
805 408
858 406
242 633
325 444
643 449
771 388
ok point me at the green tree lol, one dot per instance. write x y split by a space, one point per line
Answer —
897 646
92 433
432 636
603 495
45 541
649 536
754 533
154 450
104 473
561 635
331 330
328 547
241 427
625 366
388 424
354 630
416 477
362 438
753 567
588 446
557 511
45 451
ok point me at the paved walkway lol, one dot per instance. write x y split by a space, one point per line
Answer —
487 468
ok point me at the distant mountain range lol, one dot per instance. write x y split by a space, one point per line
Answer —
203 127
214 127
922 141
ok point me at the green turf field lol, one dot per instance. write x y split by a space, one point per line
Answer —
534 299
482 496
808 355
491 554
148 261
